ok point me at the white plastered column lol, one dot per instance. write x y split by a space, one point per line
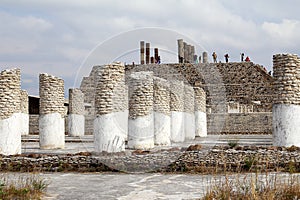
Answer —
52 131
111 122
189 113
200 112
177 111
141 118
76 125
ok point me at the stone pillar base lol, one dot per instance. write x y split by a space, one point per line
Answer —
141 132
201 124
189 126
24 123
110 132
52 131
162 129
76 125
177 126
286 125
10 142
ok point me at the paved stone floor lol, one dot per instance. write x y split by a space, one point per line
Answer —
110 186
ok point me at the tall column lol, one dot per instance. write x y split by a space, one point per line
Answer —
142 52
205 57
147 53
189 114
111 123
76 113
286 103
162 116
177 111
156 54
24 116
200 112
52 111
10 134
190 59
141 122
185 52
192 54
180 51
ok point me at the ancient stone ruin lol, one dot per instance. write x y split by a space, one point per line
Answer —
143 105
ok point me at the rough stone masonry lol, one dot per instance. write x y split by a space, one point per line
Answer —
286 102
10 126
111 106
76 112
52 111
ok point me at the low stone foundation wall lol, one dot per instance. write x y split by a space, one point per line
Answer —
217 160
239 123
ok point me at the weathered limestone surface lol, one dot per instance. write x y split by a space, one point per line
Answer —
286 106
76 112
141 122
177 111
52 112
189 114
10 92
161 107
24 116
10 116
200 112
111 107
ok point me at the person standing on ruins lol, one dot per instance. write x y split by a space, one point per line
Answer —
214 55
242 57
247 59
226 57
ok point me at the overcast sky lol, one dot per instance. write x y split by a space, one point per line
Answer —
59 37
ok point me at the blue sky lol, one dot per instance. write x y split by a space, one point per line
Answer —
58 37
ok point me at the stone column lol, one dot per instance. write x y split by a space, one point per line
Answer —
180 51
76 113
205 57
162 116
189 113
286 103
10 134
141 122
24 116
52 111
111 123
156 54
177 111
193 54
190 53
147 53
185 52
200 112
142 52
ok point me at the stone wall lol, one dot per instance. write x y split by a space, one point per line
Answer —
51 95
24 102
242 83
239 123
10 87
76 101
33 124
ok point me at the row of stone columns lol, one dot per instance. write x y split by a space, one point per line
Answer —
143 52
160 111
186 52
